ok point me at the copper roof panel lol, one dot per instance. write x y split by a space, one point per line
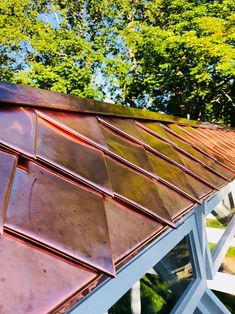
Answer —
71 155
177 158
174 202
135 156
160 146
7 169
217 139
60 215
17 129
157 127
178 155
166 134
202 146
178 177
211 146
202 171
136 229
126 149
77 124
208 140
211 163
34 282
168 155
79 170
220 136
131 130
127 126
142 191
137 188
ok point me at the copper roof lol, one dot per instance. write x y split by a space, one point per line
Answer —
84 185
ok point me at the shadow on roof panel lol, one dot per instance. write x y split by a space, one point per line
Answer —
7 169
75 157
137 156
60 215
127 126
77 124
136 229
127 149
17 129
35 282
178 177
163 131
156 199
201 171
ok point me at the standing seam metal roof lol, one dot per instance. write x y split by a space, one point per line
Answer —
84 185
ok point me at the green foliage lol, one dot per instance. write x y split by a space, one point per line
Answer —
231 252
156 295
214 223
123 305
175 56
227 299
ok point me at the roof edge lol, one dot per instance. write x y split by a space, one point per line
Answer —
22 95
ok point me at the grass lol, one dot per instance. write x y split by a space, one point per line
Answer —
214 223
230 252
212 246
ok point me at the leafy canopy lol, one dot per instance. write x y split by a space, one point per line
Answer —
174 56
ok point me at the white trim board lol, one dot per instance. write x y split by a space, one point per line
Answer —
223 282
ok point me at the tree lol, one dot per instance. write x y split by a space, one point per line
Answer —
174 56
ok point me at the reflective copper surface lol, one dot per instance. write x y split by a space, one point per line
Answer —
136 229
202 146
202 171
34 282
7 169
85 185
153 144
127 149
124 126
211 146
135 156
17 129
178 177
208 162
77 124
218 141
35 97
143 192
178 149
71 155
55 212
137 188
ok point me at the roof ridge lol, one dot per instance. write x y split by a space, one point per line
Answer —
22 95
